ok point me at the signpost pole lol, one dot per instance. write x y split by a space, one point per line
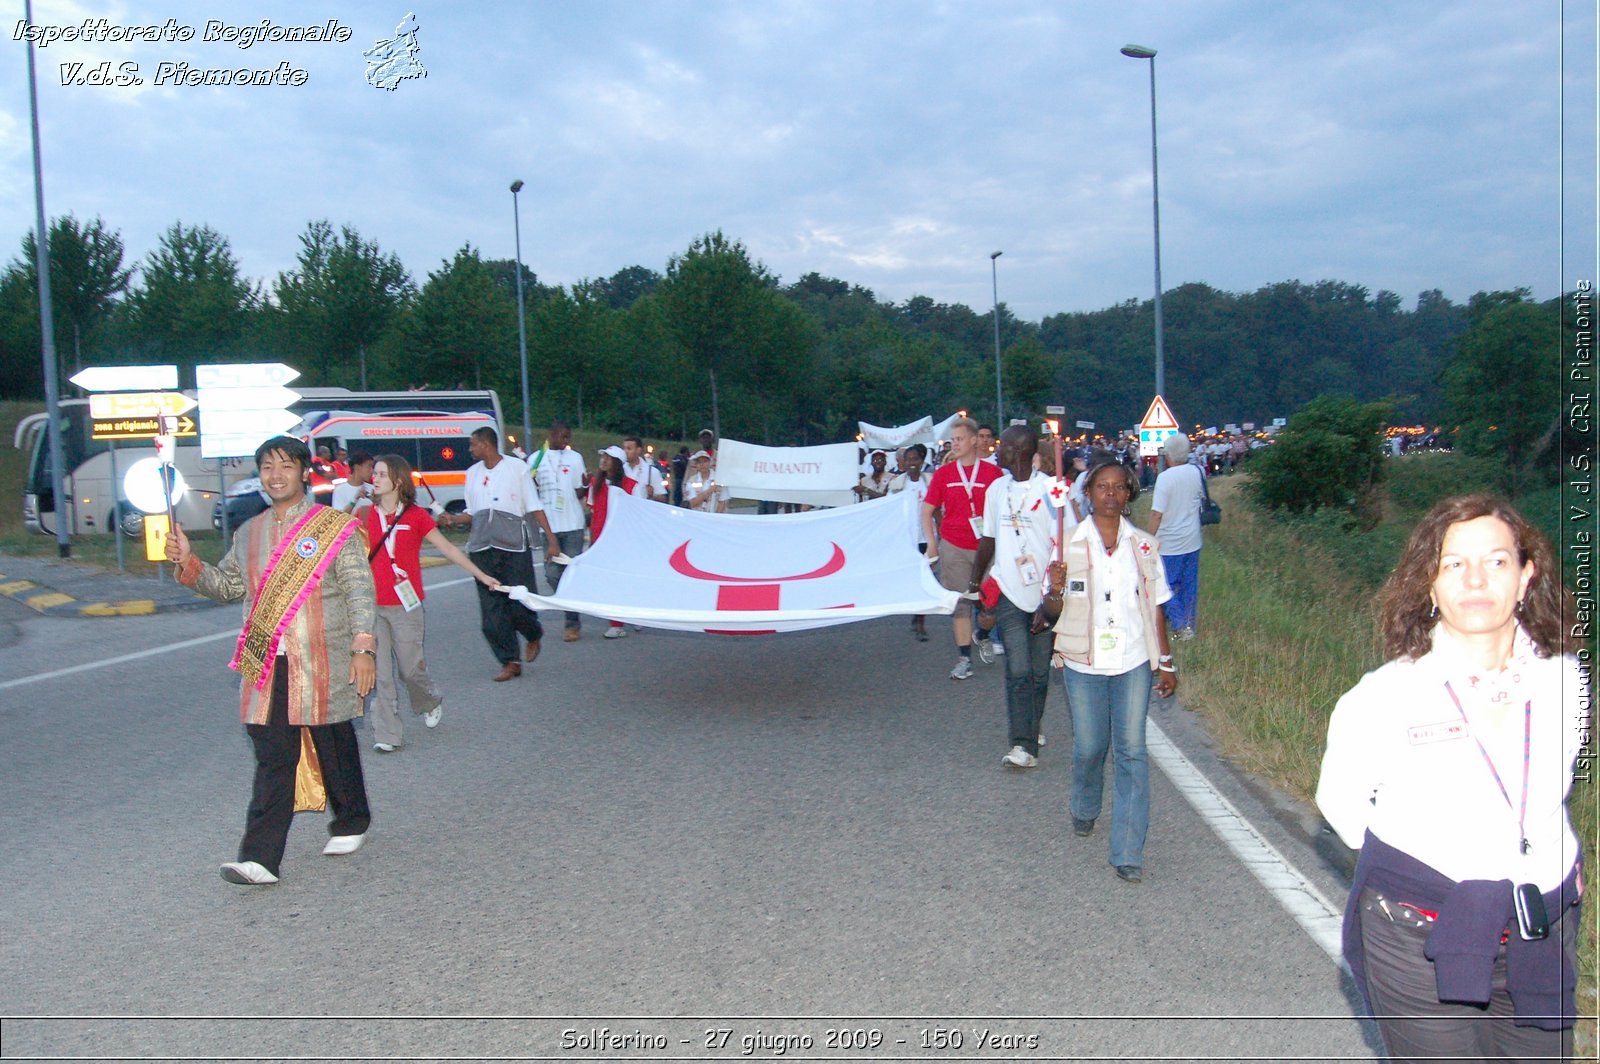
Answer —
222 494
116 505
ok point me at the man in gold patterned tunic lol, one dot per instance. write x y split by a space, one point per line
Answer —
307 657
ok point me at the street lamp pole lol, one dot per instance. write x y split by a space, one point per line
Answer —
522 323
1134 51
999 401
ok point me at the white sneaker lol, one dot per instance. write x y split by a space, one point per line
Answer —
999 648
431 718
616 633
340 845
1184 634
1041 738
963 669
384 748
985 649
247 873
1017 757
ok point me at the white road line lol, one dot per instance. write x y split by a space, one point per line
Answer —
106 663
1321 919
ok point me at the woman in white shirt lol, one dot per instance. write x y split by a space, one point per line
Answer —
1112 640
1449 769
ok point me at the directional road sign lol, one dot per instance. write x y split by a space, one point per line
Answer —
243 404
139 404
126 378
138 428
244 375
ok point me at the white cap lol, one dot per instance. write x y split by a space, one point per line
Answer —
616 452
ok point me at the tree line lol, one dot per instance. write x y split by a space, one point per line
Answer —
715 331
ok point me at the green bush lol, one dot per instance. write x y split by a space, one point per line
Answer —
1330 456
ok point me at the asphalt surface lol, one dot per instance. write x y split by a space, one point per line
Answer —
784 838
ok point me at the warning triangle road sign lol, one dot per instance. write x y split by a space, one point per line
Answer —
1158 416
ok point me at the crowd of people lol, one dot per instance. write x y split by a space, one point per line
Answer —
1462 921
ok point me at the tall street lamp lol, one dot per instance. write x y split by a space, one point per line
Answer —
1136 51
999 402
522 323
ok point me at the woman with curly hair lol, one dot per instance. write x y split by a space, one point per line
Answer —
1449 767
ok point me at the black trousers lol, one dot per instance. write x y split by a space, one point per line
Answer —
277 746
1417 1026
502 618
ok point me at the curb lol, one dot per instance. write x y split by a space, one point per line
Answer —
47 600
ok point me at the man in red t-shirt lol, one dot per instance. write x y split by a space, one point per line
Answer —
956 491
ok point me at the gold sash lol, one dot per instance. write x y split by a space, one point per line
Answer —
293 572
309 794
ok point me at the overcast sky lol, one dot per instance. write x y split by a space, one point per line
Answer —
1401 145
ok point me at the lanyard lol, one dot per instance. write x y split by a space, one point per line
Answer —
1106 565
1527 741
970 484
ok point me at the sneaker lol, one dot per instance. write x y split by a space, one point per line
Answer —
998 648
1082 828
340 845
1041 739
963 669
385 748
1184 635
431 718
1017 757
922 636
616 633
1130 873
985 649
247 873
570 635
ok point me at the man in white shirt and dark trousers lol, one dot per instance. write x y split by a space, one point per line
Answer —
1016 548
500 498
559 476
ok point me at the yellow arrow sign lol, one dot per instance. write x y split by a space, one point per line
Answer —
137 428
138 404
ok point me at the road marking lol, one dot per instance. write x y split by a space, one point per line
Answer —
1311 909
106 663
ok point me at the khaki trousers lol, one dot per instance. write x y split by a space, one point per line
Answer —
400 661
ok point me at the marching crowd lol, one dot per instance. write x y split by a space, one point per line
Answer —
1462 923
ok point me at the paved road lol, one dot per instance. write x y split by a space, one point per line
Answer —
721 832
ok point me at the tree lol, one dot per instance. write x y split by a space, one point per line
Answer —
86 277
191 305
1329 456
1497 393
462 331
341 298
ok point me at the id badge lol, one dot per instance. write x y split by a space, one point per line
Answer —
560 501
1108 646
407 594
1028 569
977 526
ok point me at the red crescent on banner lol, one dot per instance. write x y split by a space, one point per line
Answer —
681 564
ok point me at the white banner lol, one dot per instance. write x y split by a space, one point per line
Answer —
816 476
876 437
743 574
923 431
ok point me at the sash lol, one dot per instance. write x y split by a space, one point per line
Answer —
290 577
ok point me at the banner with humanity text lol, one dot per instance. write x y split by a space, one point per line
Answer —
746 574
815 476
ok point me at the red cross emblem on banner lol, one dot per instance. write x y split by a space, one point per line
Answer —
1058 493
750 592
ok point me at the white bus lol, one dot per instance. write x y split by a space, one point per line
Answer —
88 462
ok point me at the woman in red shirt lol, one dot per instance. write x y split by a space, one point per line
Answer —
396 528
611 472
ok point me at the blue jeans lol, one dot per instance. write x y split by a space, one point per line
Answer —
1027 673
571 544
1109 712
1183 576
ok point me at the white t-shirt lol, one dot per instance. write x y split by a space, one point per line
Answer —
1115 583
694 483
919 488
1023 529
646 477
495 497
346 493
559 479
1177 499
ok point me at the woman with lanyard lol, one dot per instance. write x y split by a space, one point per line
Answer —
1112 640
1449 768
396 527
